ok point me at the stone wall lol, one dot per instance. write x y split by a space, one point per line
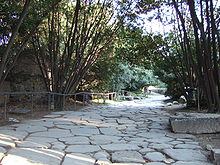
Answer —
5 87
25 76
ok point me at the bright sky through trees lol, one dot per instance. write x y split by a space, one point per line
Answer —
162 24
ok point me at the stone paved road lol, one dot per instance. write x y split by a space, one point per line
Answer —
127 133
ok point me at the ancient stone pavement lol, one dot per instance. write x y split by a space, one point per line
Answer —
125 133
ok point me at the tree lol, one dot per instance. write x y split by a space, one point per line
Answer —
18 23
196 49
99 76
137 48
132 78
75 36
131 49
6 35
206 43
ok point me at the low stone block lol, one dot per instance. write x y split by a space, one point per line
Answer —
175 102
20 111
195 123
215 155
127 98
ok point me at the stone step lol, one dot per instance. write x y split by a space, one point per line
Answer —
215 156
195 123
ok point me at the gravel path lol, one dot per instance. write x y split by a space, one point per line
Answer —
123 133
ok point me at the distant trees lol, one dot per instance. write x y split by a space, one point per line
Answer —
189 55
119 76
133 78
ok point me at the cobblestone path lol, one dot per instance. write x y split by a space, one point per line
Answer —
126 133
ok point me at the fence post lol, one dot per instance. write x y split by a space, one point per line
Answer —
103 97
32 104
198 101
83 99
49 101
75 102
64 101
52 103
5 109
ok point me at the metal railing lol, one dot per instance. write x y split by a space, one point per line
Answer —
86 98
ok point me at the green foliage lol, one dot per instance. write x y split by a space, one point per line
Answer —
130 10
133 78
128 65
75 35
169 68
10 12
175 87
137 48
18 21
100 74
108 75
155 52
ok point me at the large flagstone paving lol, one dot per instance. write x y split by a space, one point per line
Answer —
124 133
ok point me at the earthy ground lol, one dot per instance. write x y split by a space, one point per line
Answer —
39 111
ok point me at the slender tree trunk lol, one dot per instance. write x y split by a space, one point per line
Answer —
4 69
188 56
204 53
12 39
214 44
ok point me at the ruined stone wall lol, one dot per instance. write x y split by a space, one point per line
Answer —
26 74
5 87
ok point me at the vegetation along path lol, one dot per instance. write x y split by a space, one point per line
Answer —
125 133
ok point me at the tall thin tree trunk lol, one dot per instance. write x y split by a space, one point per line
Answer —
12 39
204 53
